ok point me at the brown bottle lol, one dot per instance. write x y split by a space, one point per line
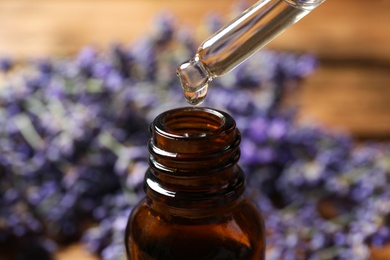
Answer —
194 206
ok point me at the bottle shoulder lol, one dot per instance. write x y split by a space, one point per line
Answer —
243 209
241 226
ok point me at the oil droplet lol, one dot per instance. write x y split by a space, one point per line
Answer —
194 80
196 97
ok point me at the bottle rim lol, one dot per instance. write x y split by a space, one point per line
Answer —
177 123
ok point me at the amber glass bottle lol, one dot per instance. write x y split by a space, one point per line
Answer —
194 206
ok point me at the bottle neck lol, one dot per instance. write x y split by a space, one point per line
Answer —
193 160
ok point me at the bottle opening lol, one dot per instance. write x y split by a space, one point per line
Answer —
193 122
193 130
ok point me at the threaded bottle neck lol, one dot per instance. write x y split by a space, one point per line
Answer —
193 159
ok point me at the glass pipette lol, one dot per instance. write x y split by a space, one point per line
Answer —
238 40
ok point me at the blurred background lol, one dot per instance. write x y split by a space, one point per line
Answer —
348 91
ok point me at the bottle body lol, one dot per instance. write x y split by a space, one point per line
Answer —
237 234
194 206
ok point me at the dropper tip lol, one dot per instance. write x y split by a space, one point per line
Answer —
194 80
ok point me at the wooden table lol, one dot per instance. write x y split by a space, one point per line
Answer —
350 90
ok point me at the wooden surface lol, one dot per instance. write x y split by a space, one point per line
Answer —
350 90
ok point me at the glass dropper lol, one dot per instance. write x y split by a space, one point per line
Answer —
238 40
